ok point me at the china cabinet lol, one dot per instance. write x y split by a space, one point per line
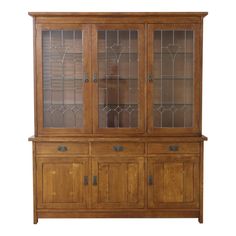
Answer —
118 106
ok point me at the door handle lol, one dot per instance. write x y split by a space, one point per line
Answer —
85 79
149 78
85 180
95 181
95 78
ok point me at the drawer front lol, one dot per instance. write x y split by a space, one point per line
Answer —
155 148
117 148
62 148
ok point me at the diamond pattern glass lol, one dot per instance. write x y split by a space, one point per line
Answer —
62 78
173 77
118 78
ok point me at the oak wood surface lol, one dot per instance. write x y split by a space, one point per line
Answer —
180 213
65 148
112 148
136 138
118 17
155 148
175 182
61 183
120 182
121 14
110 172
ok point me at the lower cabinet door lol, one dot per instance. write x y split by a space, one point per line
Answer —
118 182
62 182
173 181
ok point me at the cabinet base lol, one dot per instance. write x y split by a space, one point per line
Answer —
123 214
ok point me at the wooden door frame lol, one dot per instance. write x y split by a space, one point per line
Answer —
61 160
141 100
121 159
197 57
39 78
176 158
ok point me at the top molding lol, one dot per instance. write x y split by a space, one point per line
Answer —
118 14
118 17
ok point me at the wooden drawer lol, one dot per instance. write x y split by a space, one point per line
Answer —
119 148
62 148
155 148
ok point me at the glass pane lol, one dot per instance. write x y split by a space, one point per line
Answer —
118 78
173 75
62 78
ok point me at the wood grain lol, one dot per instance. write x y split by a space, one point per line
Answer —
176 182
63 180
107 148
54 148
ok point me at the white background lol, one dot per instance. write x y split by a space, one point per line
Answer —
16 122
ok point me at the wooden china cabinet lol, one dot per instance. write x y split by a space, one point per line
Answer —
118 100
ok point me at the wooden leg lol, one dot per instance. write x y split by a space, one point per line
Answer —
34 186
200 219
35 219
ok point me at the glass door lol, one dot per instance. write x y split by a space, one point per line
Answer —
64 79
173 79
118 73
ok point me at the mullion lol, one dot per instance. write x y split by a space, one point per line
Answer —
129 76
118 81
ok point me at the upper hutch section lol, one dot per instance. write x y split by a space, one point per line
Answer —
118 73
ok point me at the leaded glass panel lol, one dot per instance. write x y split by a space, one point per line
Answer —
173 77
62 78
118 81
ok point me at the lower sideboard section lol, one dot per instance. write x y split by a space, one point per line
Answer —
156 180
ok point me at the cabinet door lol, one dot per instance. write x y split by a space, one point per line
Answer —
62 182
173 182
118 182
63 74
118 77
174 78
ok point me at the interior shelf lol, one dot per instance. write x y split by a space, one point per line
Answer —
174 78
117 78
187 53
171 104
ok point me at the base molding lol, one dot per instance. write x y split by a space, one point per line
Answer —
123 214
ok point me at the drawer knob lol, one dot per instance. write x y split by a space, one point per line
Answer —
62 148
118 148
150 180
173 148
